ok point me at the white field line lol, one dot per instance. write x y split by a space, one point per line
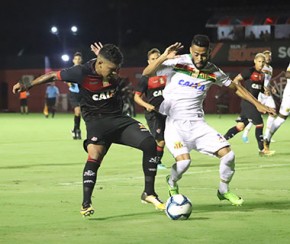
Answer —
190 172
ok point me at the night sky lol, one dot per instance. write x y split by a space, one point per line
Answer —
129 23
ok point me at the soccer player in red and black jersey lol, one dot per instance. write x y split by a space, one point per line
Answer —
101 107
253 79
151 88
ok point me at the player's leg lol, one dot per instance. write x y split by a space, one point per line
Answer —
156 124
96 148
136 135
53 107
246 131
220 148
241 123
95 156
270 120
179 150
74 99
77 122
227 170
280 119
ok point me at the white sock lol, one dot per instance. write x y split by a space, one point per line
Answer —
270 122
247 129
177 170
227 170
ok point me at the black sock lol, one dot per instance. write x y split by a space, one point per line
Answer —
89 180
231 132
148 146
77 122
259 137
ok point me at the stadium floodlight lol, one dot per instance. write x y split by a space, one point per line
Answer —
74 29
65 58
54 30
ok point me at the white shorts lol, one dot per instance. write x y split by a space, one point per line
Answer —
266 100
181 136
285 106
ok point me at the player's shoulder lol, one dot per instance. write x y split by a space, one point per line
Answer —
212 68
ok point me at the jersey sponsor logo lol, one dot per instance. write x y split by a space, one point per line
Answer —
104 95
196 85
256 86
178 145
158 93
207 76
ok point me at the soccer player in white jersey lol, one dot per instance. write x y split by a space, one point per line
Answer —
265 98
189 77
283 112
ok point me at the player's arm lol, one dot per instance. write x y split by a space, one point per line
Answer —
169 53
287 74
138 99
25 85
243 93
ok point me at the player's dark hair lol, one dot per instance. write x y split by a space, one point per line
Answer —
112 53
78 54
201 41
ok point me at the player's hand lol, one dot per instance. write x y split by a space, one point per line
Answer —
150 108
18 88
265 109
171 51
96 47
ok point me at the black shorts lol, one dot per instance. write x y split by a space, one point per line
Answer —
23 102
250 112
74 99
50 102
120 129
156 124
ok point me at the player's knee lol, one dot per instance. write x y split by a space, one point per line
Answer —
229 159
240 126
148 145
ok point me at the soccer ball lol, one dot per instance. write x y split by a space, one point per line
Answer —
178 207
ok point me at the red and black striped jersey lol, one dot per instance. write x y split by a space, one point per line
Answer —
97 96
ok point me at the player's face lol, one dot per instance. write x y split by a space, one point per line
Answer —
105 68
268 58
200 56
77 60
259 63
153 57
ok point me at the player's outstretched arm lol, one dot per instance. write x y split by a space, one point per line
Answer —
243 93
26 84
169 53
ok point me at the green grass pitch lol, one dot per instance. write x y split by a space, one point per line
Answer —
41 190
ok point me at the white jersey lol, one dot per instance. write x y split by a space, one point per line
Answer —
285 104
268 71
187 86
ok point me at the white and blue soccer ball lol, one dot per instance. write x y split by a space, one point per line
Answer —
178 207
